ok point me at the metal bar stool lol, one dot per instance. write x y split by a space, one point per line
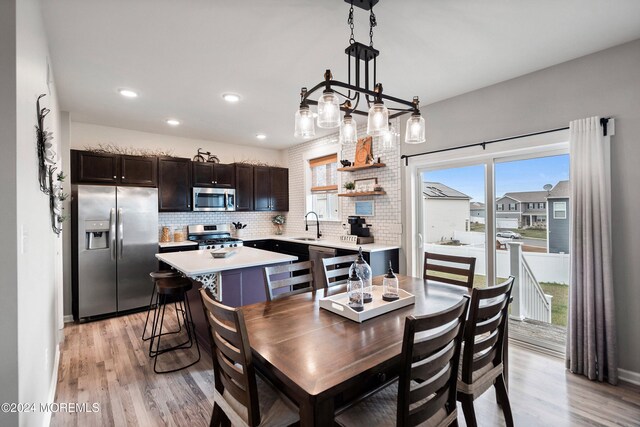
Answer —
155 275
167 289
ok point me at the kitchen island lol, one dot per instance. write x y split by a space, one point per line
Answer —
235 281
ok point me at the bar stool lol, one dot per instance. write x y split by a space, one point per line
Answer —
167 289
155 275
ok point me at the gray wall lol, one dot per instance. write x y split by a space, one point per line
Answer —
558 229
8 249
606 83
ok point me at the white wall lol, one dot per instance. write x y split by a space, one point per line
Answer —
605 83
8 249
32 273
85 135
442 218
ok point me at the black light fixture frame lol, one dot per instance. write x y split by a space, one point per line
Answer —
359 57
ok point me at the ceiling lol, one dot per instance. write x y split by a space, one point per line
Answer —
181 56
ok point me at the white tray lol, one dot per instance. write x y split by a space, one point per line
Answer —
339 304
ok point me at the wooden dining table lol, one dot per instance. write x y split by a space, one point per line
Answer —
322 361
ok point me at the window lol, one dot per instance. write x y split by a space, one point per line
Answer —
324 186
530 206
559 210
501 207
541 205
513 206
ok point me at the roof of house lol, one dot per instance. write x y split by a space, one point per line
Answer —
526 196
476 205
561 190
436 190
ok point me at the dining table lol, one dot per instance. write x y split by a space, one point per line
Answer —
324 362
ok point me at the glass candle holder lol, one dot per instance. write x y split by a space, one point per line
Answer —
390 286
363 271
354 290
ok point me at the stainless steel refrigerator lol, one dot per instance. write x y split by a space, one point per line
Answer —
114 245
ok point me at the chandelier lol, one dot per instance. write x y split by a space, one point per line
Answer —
362 90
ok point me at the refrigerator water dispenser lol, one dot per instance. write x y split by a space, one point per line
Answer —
97 234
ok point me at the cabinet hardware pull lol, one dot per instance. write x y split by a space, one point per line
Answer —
114 177
122 176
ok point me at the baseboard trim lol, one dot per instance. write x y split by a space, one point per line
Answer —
629 376
68 318
53 386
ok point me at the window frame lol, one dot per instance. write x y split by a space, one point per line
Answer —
316 153
561 210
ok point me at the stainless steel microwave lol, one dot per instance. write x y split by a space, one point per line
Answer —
214 199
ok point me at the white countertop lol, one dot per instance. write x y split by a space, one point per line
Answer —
329 243
195 263
173 244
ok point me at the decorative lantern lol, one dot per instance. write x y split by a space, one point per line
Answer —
354 290
363 271
390 286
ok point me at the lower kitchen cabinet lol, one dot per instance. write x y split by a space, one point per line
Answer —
301 250
259 244
378 261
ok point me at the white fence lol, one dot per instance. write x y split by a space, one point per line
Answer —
545 267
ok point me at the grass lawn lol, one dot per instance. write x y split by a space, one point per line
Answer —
560 302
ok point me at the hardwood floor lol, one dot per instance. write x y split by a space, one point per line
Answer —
107 362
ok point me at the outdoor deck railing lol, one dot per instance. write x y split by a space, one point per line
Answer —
529 299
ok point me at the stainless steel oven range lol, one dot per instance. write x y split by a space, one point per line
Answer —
213 236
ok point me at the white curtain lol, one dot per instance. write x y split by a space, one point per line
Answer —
591 345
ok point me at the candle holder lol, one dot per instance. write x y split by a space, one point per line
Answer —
390 285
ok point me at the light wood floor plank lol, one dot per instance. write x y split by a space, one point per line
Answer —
107 362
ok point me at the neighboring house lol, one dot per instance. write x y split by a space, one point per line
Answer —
446 210
558 222
521 209
477 212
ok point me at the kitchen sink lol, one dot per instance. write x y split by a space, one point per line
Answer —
306 239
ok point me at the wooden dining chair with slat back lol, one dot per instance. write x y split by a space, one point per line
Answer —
336 269
455 270
240 397
430 349
288 279
482 355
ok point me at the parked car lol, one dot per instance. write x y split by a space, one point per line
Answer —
508 234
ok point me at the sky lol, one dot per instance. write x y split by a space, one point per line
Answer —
520 175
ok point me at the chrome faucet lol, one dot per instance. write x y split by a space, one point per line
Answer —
306 226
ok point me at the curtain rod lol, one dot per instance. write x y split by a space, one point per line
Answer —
603 123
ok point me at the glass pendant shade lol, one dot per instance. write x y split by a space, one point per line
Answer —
415 129
328 110
390 286
305 126
348 130
361 269
388 141
354 291
378 121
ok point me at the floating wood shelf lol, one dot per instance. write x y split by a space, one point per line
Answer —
357 168
363 193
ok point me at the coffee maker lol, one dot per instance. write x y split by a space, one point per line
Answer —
361 229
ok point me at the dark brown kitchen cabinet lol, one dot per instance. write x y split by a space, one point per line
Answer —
138 170
174 184
244 187
271 188
212 175
88 167
113 169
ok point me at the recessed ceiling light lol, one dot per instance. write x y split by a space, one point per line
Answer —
261 136
173 122
127 93
231 97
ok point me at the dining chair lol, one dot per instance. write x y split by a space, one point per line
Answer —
483 345
296 277
336 269
455 270
430 349
240 397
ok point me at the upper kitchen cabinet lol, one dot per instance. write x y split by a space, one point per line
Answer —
271 188
217 175
139 171
244 187
88 167
103 168
174 184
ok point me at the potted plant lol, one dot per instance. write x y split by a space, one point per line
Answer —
350 186
279 221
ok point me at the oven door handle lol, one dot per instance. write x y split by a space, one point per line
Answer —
226 200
